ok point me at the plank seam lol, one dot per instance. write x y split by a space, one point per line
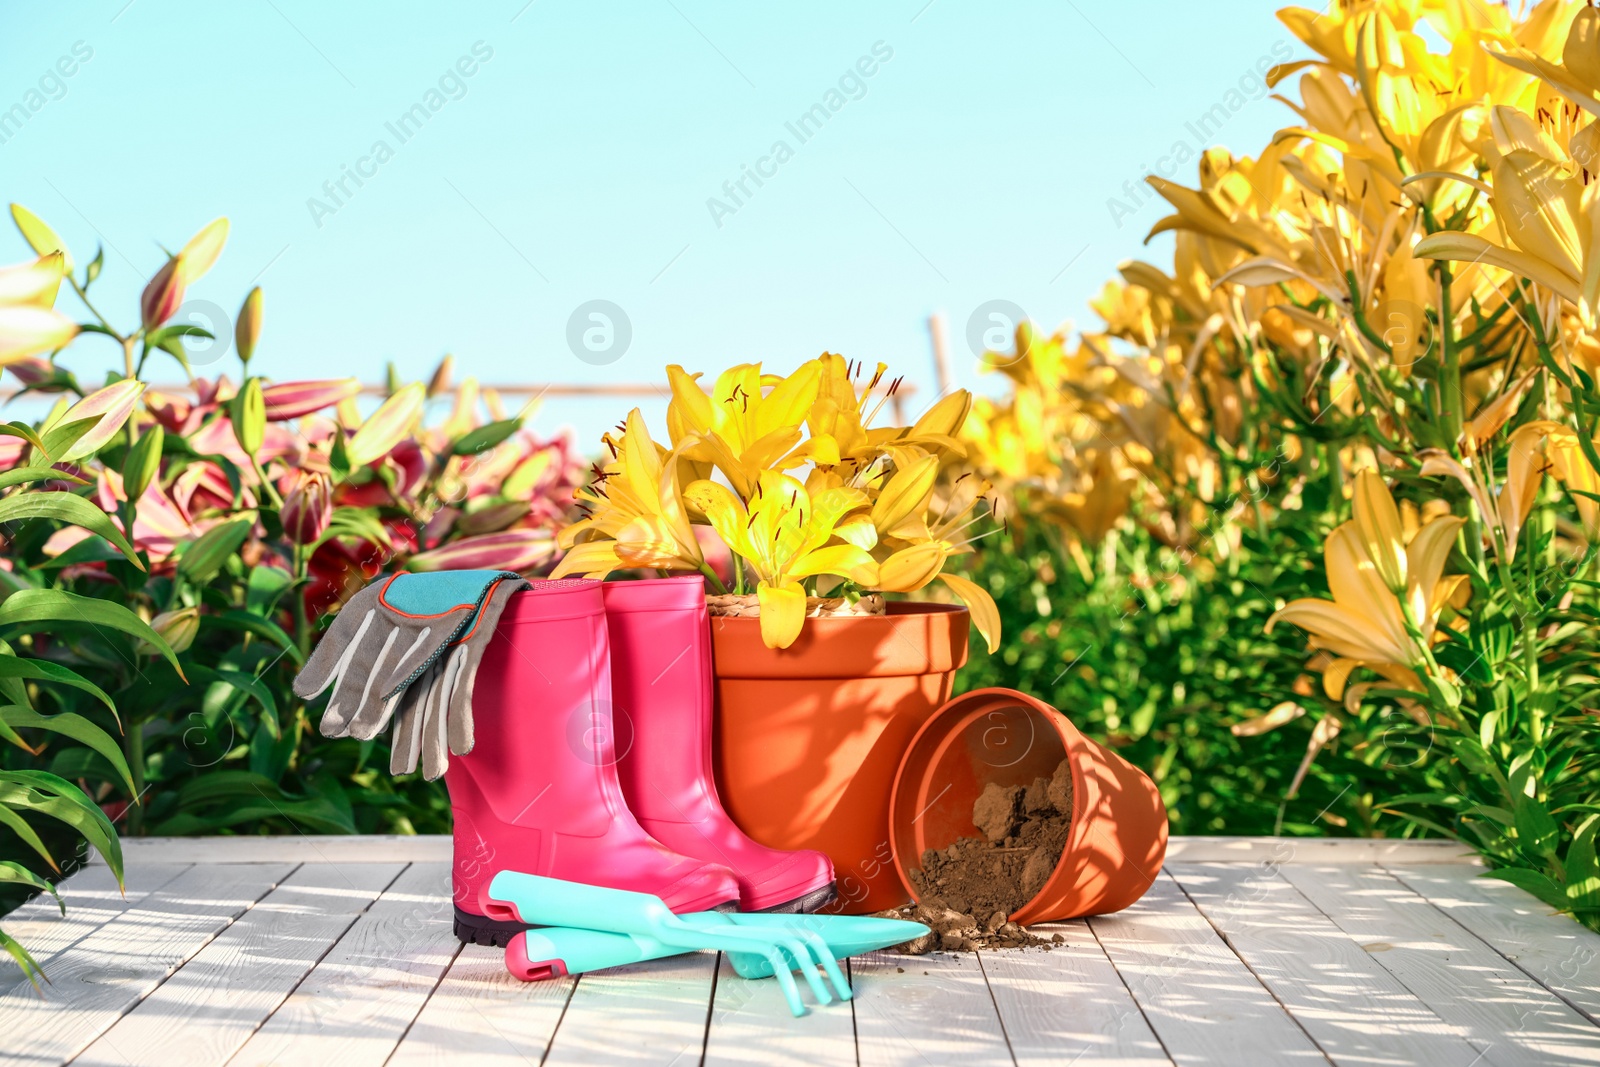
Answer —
181 964
1226 940
182 869
572 990
999 1016
711 1006
437 982
855 1029
314 965
1465 1036
1142 1013
1535 979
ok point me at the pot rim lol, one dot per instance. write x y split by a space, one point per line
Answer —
932 639
978 701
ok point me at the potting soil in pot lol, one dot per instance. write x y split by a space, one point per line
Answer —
967 890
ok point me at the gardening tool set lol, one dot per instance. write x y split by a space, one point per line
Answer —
587 827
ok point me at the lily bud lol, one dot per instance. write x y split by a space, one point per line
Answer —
248 413
143 462
510 550
177 628
440 382
307 507
163 295
247 328
290 400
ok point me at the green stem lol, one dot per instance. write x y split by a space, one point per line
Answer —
133 746
711 576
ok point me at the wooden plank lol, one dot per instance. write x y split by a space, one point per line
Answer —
935 1010
206 1011
359 999
1325 850
646 1013
1200 998
104 974
1555 950
1068 1004
92 900
751 1024
1466 983
1356 1011
482 1013
300 848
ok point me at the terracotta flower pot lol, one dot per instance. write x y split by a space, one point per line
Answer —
1118 837
808 738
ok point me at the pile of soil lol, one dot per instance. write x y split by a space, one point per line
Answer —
967 890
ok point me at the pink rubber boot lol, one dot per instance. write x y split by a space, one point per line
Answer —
662 684
539 791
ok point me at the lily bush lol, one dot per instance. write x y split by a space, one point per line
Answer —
1360 403
870 514
168 556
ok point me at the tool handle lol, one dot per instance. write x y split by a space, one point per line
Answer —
543 901
552 952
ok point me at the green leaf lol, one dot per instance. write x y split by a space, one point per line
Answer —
22 430
20 827
1537 832
58 798
202 560
255 624
58 605
57 439
23 475
67 507
76 727
17 874
1581 869
485 437
266 586
29 965
43 670
1540 885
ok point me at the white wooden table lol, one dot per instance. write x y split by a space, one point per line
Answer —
1247 950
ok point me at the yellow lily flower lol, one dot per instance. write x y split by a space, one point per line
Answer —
637 515
782 533
1370 622
749 423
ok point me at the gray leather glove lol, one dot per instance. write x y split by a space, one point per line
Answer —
435 712
388 636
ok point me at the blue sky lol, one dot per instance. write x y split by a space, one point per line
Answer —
560 153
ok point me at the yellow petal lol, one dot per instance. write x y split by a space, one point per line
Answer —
1336 674
388 426
846 560
592 559
906 495
1378 522
1470 248
783 613
985 615
690 410
1425 558
946 417
911 568
33 283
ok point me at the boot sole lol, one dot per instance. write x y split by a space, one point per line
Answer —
808 904
473 929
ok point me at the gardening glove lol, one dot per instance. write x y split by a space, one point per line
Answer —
386 637
435 712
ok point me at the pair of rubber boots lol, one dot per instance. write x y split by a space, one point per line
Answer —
592 713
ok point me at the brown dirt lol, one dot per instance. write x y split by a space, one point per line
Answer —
967 891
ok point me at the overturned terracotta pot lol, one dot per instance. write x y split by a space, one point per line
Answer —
1118 835
808 738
